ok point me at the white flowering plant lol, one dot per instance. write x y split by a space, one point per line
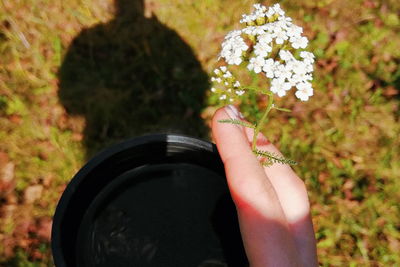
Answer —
270 45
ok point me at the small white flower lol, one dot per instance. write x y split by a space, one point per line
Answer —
249 30
278 10
253 30
281 71
307 56
268 68
279 87
286 22
298 67
256 64
300 78
309 68
239 92
304 91
233 34
245 19
265 38
222 97
270 12
280 35
285 55
236 84
217 80
237 61
213 90
259 12
294 31
262 50
260 7
227 74
299 42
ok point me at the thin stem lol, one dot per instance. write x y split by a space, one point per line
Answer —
252 88
261 122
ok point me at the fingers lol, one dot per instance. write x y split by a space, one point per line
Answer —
292 195
246 177
289 187
263 225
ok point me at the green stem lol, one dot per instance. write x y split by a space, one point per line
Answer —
253 88
261 122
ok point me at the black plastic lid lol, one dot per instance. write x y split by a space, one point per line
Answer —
157 200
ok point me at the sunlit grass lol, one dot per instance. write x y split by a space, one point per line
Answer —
345 138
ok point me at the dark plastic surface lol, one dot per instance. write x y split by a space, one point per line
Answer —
158 200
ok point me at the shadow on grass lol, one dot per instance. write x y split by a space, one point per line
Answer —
132 76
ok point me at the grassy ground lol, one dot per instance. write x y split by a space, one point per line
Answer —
78 75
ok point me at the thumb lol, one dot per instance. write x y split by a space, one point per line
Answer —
247 180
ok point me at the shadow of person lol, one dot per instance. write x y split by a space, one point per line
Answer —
132 76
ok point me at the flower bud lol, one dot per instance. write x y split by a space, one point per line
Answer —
250 23
260 21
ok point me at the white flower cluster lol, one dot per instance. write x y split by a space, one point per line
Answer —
233 47
290 73
225 77
274 39
271 24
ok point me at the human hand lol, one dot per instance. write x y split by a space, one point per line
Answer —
271 202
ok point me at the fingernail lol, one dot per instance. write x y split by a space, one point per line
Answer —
233 113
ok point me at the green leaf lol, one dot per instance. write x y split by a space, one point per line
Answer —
273 158
238 122
283 109
267 163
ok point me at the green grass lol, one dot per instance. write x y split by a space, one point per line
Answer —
74 78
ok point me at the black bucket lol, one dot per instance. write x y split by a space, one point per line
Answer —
157 200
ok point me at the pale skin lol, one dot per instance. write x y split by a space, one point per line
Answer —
271 202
